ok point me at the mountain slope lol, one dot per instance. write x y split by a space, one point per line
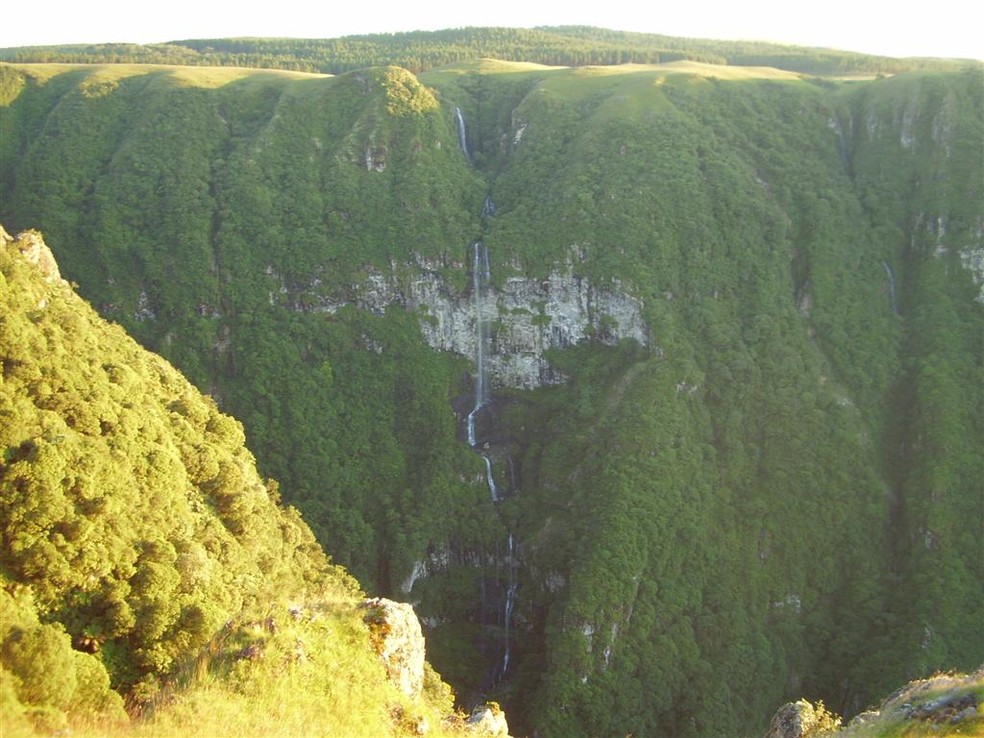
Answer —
420 51
749 465
143 555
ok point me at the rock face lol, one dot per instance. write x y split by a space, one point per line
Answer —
941 702
527 316
488 720
33 248
972 260
395 632
800 720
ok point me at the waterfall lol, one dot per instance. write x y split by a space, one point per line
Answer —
459 120
507 608
490 480
891 287
481 277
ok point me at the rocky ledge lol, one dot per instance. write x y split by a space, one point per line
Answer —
526 316
944 704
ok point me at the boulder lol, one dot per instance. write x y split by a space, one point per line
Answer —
396 634
800 719
488 719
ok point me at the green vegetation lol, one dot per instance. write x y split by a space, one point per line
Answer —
778 496
942 704
419 51
143 557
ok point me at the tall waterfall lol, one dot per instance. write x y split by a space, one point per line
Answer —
480 281
891 287
490 479
481 277
507 608
459 120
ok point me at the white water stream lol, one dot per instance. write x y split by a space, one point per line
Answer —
459 120
480 281
891 287
481 277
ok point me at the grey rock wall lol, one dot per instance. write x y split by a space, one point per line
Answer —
526 316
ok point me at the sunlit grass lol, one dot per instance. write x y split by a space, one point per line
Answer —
204 77
893 718
310 672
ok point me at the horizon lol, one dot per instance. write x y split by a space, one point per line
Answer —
876 28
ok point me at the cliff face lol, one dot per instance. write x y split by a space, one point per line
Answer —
32 247
528 316
777 412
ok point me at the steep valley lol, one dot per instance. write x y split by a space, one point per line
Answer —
730 341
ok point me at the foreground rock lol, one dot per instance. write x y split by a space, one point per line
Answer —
488 719
945 704
395 632
940 705
801 719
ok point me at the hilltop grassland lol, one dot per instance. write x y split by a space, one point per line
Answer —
421 51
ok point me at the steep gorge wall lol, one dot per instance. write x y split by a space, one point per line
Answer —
710 510
531 315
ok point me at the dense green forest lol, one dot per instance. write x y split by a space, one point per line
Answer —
779 494
419 51
144 558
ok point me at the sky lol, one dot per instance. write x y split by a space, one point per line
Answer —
949 28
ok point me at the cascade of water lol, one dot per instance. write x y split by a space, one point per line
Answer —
510 602
891 287
511 465
490 480
481 276
462 137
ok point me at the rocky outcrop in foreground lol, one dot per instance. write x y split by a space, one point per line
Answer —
396 635
945 704
33 248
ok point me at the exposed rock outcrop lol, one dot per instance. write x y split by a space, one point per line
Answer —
33 248
972 260
488 719
528 316
924 705
395 632
800 720
953 700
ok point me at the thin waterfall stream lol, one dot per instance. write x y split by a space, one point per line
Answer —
481 276
891 287
459 120
481 279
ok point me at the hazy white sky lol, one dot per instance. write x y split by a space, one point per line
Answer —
949 28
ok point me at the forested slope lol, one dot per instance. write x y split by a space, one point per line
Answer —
145 563
420 51
778 494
